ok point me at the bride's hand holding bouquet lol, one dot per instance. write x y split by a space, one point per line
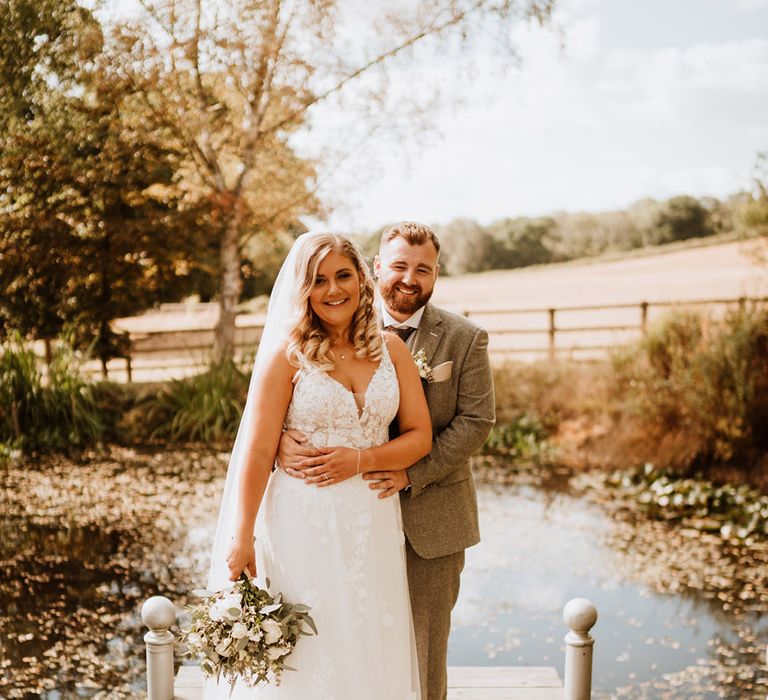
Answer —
241 557
244 632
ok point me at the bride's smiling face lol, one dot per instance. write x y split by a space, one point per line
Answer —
335 295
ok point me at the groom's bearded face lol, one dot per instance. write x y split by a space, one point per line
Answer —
407 275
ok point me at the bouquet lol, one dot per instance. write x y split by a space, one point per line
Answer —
244 632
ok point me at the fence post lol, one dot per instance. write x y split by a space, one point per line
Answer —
551 347
643 316
128 367
580 615
158 613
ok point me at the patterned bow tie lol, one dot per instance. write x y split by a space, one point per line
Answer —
403 331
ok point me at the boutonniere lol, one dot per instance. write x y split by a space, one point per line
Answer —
429 374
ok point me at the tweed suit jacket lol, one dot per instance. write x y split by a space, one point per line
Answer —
440 509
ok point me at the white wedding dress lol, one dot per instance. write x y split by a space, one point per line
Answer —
341 550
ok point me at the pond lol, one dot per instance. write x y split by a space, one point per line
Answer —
543 545
78 559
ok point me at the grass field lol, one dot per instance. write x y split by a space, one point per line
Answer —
723 270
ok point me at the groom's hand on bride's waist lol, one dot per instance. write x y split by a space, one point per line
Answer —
389 482
294 447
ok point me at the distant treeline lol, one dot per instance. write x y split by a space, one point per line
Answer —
519 242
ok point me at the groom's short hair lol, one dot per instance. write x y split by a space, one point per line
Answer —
413 232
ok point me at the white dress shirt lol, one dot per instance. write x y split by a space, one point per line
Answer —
410 322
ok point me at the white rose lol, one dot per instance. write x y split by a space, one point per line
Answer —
276 652
224 606
233 600
220 609
239 630
194 639
272 630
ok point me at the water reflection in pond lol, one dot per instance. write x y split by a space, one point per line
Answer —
542 547
77 561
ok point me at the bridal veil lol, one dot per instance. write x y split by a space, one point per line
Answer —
275 332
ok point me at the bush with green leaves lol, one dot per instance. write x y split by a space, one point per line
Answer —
521 440
58 411
206 407
706 377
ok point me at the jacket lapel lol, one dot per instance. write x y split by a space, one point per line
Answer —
429 332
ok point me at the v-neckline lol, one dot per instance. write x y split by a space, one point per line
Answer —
347 390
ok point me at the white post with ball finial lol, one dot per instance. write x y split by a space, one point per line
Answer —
158 613
580 615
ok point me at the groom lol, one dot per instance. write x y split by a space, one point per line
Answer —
437 494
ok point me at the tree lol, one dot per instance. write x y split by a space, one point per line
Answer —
35 262
42 42
522 242
755 214
91 217
234 82
679 219
465 247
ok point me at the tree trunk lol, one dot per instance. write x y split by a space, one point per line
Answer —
103 343
48 353
230 288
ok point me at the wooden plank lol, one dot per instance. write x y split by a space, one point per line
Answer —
188 677
505 694
188 684
465 683
503 677
188 693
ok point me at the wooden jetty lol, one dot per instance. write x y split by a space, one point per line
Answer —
465 682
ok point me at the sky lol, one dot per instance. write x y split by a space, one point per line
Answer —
629 100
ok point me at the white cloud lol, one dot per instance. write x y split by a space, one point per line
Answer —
591 125
752 5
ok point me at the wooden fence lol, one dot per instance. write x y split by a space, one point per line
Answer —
590 332
613 325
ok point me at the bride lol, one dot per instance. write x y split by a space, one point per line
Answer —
323 367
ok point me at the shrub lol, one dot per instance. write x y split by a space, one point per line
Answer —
705 377
206 407
57 412
523 440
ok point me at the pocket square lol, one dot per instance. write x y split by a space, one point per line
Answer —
442 373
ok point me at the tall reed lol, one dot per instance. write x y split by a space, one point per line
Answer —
206 407
57 412
705 378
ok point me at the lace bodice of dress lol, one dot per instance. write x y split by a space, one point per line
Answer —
326 411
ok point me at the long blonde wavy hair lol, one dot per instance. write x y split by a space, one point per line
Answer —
306 334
